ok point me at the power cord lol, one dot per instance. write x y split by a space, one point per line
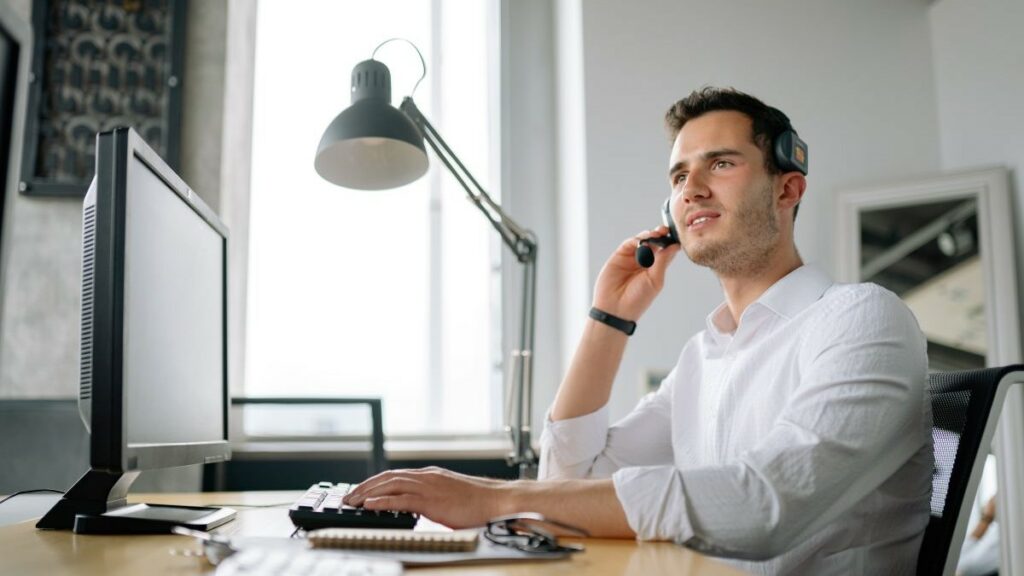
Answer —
20 492
278 505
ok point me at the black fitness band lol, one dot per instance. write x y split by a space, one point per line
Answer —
620 324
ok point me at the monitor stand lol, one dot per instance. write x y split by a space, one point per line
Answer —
97 504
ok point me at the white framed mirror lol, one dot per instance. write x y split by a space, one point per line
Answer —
945 245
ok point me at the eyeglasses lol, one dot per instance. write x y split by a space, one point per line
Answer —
531 532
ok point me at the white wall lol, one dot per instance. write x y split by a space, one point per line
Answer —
855 78
40 277
41 265
528 179
40 272
979 87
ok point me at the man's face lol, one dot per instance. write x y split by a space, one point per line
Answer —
722 198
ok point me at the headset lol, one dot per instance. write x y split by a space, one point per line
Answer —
790 153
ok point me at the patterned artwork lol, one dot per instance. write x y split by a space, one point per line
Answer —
105 64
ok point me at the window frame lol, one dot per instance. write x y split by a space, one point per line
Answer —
483 444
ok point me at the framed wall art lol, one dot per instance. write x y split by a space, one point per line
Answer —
98 65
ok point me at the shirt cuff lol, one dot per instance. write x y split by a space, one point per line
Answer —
654 501
569 447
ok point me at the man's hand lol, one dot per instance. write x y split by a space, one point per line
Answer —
626 289
460 501
446 497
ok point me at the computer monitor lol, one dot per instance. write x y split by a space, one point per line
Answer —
154 386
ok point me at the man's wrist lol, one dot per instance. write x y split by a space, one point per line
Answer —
594 331
512 498
627 327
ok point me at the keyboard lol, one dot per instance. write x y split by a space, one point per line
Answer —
321 507
258 562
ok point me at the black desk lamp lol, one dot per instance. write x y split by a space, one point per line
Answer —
373 146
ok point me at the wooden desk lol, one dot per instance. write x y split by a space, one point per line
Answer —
25 550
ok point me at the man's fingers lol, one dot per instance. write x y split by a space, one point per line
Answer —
667 253
427 470
392 487
663 258
366 485
629 244
388 482
401 502
374 485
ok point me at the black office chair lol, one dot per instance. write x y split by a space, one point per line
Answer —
965 410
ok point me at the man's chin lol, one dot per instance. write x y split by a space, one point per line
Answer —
703 254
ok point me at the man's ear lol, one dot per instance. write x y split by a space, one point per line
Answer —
792 190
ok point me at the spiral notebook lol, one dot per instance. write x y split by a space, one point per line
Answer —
395 540
424 548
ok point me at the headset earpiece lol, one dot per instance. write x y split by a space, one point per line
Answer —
790 152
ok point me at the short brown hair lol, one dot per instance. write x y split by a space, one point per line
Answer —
766 122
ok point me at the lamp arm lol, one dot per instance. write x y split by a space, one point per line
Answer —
524 456
523 244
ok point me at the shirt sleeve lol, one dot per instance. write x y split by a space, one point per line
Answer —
586 447
855 418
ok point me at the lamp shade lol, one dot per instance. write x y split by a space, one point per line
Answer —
371 145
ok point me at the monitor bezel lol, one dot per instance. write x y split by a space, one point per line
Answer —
109 450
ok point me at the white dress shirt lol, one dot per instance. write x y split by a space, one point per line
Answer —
796 442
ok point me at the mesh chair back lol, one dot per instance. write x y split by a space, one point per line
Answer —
964 410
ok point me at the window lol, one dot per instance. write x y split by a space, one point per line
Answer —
395 293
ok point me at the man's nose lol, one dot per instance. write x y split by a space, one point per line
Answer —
695 187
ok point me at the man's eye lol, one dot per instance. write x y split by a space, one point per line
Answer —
722 164
679 179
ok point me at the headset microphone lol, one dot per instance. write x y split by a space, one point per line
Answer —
644 253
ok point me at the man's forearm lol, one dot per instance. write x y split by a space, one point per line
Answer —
588 383
588 504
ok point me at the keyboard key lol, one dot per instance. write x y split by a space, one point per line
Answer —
312 499
332 503
322 507
254 562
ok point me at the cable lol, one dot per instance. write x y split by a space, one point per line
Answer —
20 492
278 505
423 63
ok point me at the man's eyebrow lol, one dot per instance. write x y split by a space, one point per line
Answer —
709 155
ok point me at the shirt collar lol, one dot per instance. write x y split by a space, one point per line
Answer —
796 291
787 297
720 324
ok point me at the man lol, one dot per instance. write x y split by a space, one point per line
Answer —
793 435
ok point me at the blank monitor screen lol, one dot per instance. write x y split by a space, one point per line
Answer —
173 317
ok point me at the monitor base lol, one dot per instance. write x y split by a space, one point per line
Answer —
95 493
98 504
152 519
